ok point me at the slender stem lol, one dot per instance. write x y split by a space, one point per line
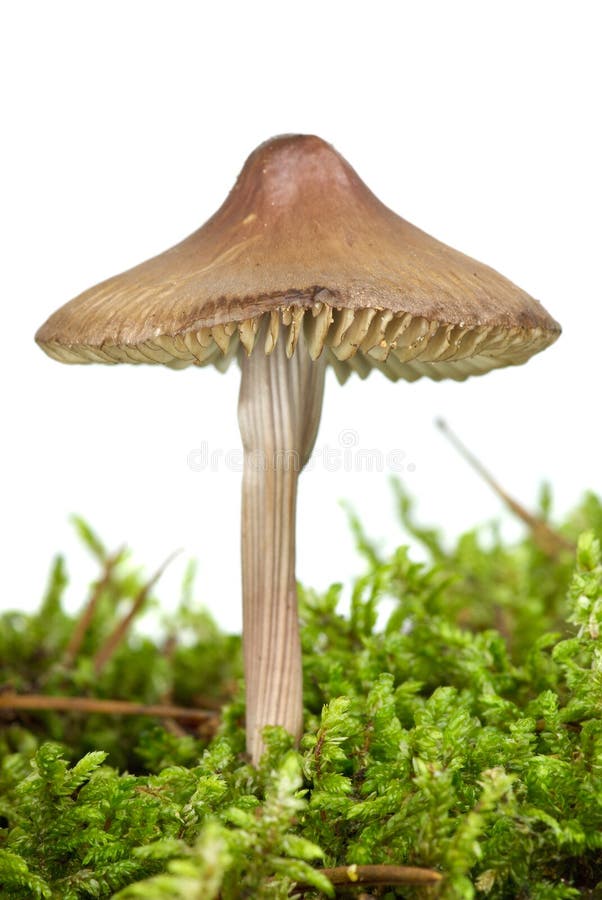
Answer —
279 413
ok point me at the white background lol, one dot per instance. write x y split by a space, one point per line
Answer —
124 126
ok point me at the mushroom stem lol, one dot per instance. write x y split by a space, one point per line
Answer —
279 412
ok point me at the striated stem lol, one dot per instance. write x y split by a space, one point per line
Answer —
279 413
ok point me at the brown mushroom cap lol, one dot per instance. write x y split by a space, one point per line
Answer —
301 242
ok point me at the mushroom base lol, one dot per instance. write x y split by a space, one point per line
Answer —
279 413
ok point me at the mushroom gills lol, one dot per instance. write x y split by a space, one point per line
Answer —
400 345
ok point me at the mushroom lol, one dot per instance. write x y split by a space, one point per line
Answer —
300 268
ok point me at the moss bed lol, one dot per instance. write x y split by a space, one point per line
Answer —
453 724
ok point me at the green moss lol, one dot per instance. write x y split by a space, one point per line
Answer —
453 721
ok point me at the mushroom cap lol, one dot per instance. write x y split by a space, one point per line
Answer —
301 242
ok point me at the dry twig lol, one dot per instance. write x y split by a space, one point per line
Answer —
85 619
109 647
549 541
348 876
42 703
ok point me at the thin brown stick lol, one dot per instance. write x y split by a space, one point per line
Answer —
117 635
40 702
548 540
85 619
348 876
